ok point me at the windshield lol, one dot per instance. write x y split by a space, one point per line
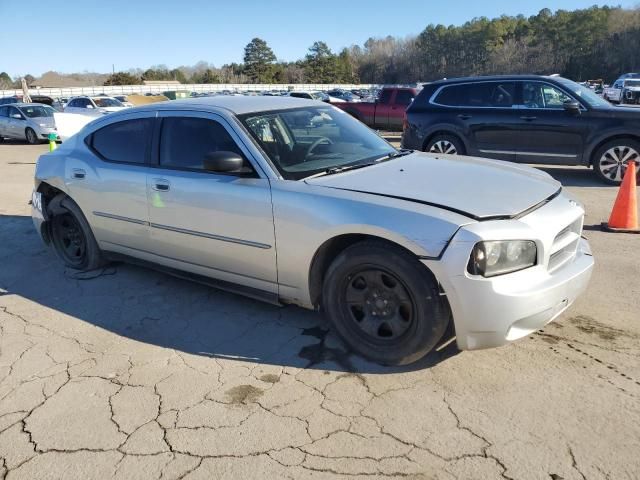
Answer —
586 94
632 83
37 111
304 141
107 102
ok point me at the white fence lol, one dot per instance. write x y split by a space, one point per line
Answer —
159 88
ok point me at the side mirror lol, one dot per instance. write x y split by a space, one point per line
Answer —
89 106
572 107
224 162
16 116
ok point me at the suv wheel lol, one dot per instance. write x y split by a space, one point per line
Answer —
445 144
384 303
610 160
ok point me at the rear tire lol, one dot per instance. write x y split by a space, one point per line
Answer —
610 160
31 137
449 144
73 239
384 303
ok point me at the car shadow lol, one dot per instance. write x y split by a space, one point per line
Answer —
158 309
574 176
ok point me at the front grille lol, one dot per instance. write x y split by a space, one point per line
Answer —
565 244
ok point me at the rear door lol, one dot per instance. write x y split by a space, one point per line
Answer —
214 224
110 183
382 108
401 100
548 133
4 120
487 114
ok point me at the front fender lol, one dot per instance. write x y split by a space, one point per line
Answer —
305 217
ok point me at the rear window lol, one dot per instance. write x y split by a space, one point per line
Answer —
124 141
485 94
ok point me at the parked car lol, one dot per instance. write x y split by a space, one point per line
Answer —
320 96
123 100
44 99
527 119
386 112
292 201
98 105
32 122
625 89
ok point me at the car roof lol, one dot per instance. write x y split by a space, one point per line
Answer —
238 105
22 104
492 78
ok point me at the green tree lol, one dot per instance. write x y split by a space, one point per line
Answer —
122 78
5 81
258 61
320 64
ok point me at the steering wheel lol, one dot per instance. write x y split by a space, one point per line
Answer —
318 142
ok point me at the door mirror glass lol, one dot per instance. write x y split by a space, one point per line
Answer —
571 106
223 162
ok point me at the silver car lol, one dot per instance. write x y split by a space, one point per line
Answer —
295 202
32 122
96 106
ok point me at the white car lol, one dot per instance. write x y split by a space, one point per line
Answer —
98 105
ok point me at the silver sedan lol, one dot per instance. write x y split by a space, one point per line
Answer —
294 202
32 122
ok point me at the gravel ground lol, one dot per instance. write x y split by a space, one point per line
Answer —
129 373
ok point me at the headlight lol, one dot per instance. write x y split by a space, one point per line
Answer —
499 257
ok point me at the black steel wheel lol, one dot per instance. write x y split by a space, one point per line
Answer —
384 303
72 237
378 305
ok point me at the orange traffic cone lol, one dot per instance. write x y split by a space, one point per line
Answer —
624 216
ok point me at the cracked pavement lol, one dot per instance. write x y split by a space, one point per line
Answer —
129 373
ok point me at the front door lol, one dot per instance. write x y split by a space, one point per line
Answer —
549 133
16 124
213 224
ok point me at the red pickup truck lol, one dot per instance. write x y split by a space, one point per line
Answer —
386 112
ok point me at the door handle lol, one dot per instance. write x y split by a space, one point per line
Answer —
161 185
78 173
528 119
464 116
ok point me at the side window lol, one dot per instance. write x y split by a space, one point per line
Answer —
73 103
4 112
385 96
14 111
542 95
404 97
481 94
124 141
185 141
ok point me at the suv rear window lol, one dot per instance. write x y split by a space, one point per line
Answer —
482 94
124 141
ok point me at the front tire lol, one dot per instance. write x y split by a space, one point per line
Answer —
448 144
30 136
73 239
610 160
384 303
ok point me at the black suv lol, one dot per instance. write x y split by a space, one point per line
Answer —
528 119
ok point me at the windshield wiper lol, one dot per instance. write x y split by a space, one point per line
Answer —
399 153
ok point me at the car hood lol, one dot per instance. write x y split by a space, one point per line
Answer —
478 188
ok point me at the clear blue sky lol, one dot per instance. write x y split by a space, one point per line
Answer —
90 35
